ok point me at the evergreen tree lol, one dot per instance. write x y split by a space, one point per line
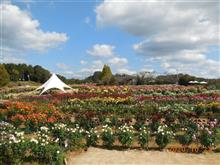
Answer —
4 76
106 75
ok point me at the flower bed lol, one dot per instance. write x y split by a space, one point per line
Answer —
44 128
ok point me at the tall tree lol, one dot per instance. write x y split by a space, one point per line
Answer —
106 75
4 76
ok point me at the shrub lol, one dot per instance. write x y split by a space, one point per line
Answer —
49 154
163 136
185 139
13 147
75 137
126 135
207 138
45 150
154 126
143 137
107 136
91 137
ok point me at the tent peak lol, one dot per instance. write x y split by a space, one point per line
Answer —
53 82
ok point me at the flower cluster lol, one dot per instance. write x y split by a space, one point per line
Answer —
108 136
92 137
43 137
13 145
126 135
163 136
31 114
164 130
143 137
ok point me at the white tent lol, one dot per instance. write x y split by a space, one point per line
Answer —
193 82
53 82
203 82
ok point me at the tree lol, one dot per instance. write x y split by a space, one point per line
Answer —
184 80
106 75
96 76
4 76
40 74
145 77
14 76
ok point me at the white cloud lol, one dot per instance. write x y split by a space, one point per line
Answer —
82 62
175 33
118 61
21 33
126 71
95 66
147 68
63 66
101 50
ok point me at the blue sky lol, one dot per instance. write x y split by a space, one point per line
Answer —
76 38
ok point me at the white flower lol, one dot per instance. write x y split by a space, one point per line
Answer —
57 139
58 151
44 128
34 140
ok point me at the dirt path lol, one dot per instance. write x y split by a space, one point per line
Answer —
96 156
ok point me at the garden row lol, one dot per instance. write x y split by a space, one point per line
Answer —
32 115
48 144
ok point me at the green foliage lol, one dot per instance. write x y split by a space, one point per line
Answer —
126 135
207 138
143 137
13 153
162 140
106 75
92 137
49 154
200 109
184 79
4 76
185 139
107 136
25 72
163 136
40 74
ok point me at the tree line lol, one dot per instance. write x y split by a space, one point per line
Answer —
24 72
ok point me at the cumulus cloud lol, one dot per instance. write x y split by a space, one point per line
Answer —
126 71
118 61
101 50
175 33
95 66
106 55
21 33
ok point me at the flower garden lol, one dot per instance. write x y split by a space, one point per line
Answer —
44 129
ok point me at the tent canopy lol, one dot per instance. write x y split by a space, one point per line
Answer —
193 82
203 82
53 82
